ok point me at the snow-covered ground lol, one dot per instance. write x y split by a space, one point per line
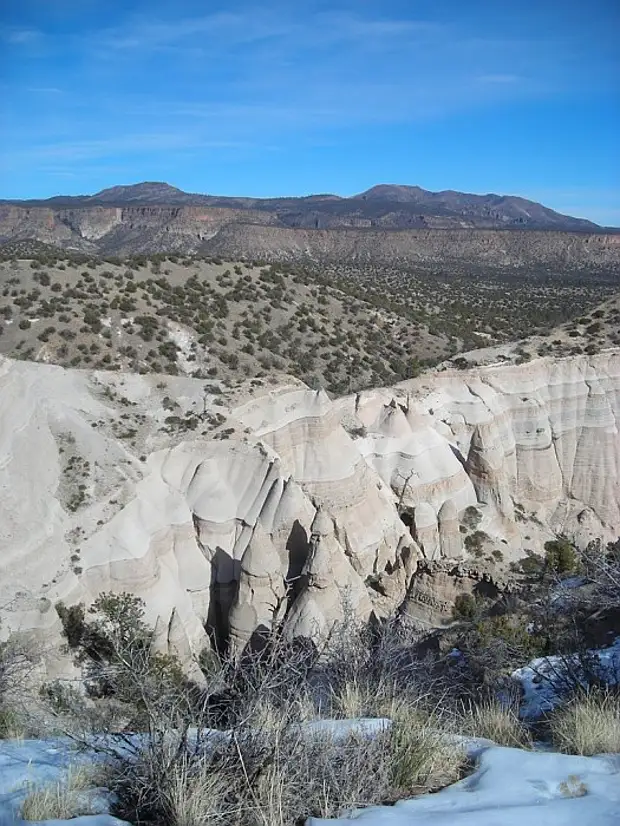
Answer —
546 679
512 787
28 764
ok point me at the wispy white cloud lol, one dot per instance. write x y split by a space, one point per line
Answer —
293 32
145 34
141 143
44 90
499 78
21 37
293 69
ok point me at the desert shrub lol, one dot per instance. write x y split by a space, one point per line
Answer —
492 647
72 620
601 567
92 319
114 646
465 607
17 659
588 724
513 631
531 565
474 543
471 517
560 556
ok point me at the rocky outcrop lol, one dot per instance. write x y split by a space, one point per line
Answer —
236 228
331 589
450 539
303 428
290 519
543 435
215 535
261 591
435 587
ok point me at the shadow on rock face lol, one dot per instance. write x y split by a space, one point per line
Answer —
224 582
297 548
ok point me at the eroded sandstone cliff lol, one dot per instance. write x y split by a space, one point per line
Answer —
293 508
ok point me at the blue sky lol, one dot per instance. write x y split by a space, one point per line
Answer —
281 98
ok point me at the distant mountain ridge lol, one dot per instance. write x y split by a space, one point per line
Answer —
387 206
388 225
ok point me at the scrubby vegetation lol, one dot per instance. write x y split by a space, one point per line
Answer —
214 321
17 661
344 328
253 737
588 724
64 799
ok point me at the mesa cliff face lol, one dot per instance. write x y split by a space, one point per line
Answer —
480 247
115 229
262 234
295 517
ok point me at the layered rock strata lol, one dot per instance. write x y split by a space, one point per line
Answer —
279 515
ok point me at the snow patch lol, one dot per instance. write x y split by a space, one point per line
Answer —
547 679
512 787
27 764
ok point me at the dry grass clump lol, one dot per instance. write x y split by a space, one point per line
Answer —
358 697
12 725
423 757
17 662
422 754
287 771
589 724
194 794
495 721
63 799
320 774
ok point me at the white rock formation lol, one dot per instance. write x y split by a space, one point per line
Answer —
223 533
542 434
332 590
